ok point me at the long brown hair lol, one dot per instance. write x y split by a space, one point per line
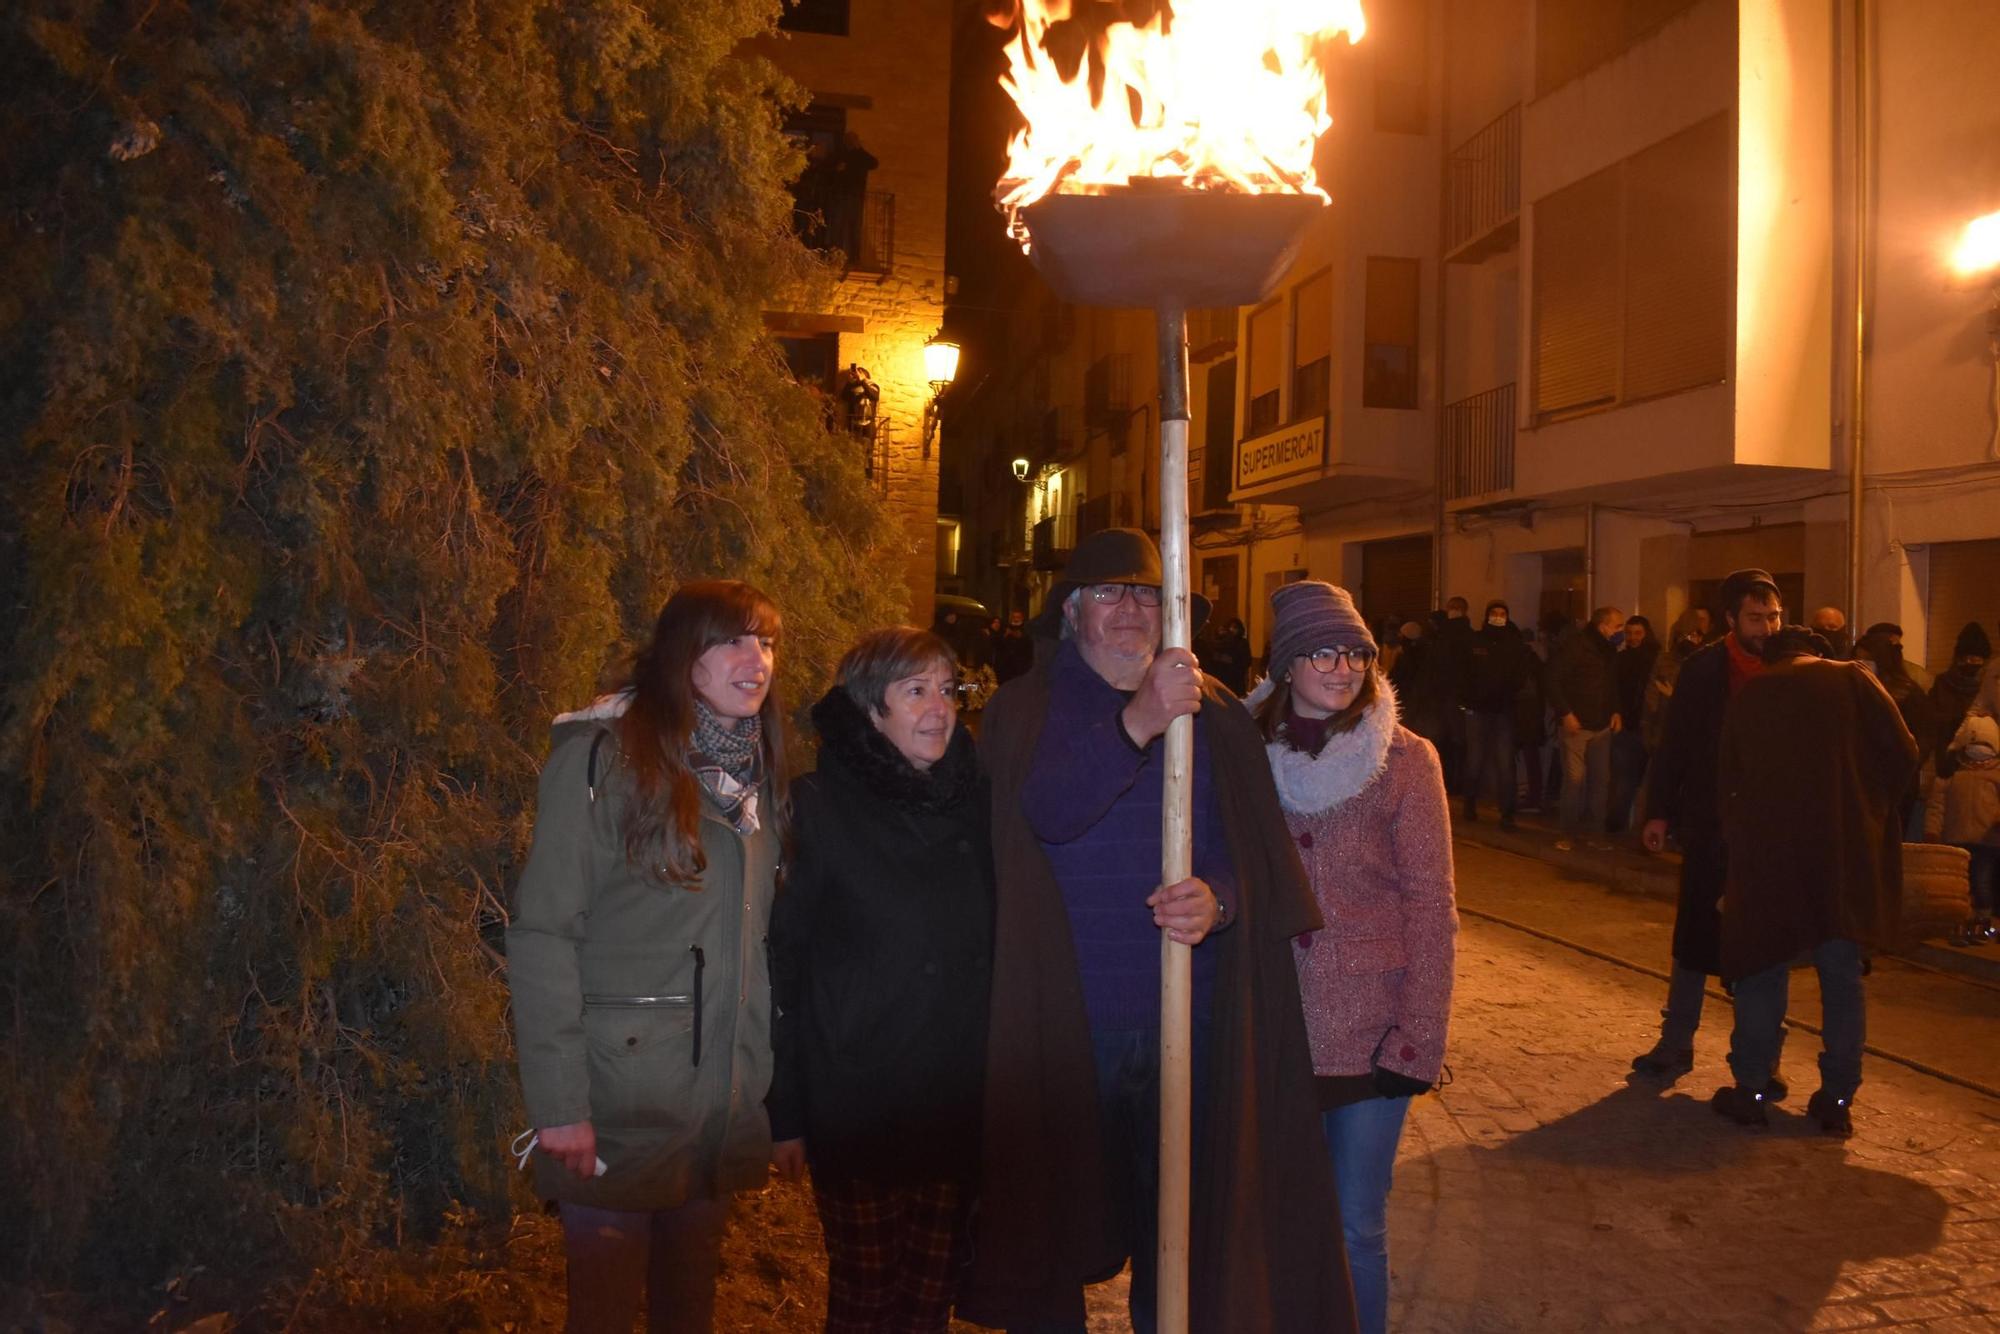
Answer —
1272 710
653 734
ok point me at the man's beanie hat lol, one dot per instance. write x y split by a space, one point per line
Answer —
1311 615
1741 583
1972 642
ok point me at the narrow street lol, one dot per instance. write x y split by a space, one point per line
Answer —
1544 1189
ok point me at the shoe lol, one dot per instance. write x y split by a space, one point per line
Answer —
1741 1106
1564 845
1832 1115
1664 1062
1777 1090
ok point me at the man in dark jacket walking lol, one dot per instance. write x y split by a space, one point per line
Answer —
1813 760
1498 663
1682 799
1583 695
1071 1136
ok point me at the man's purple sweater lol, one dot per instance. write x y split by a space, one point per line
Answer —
1093 799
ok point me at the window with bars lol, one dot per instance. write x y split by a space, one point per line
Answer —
1389 333
1634 276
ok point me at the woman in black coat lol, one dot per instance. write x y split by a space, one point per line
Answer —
881 951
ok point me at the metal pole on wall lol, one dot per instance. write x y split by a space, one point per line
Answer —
1176 839
1858 409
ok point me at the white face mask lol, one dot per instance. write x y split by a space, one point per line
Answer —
1977 753
1496 621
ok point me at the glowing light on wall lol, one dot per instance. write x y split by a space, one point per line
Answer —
1978 246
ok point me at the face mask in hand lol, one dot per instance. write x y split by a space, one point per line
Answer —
523 1152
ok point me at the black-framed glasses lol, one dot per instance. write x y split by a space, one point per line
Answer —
1324 660
1111 594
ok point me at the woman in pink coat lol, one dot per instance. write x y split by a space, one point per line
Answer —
1365 799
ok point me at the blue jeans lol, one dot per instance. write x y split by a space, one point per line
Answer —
1760 1020
1362 1139
1686 990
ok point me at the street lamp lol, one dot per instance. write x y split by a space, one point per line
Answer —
940 368
1978 253
1020 470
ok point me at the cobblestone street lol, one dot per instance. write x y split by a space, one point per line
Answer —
1542 1190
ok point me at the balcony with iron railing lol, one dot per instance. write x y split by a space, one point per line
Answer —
861 227
1096 514
1479 444
1483 191
1053 539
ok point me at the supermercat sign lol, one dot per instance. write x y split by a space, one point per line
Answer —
1285 452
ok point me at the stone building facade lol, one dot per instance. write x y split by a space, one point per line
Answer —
878 73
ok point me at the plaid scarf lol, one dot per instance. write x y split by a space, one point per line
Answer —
729 761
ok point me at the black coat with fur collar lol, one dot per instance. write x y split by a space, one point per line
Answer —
881 951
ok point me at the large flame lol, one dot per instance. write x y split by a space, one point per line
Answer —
1222 95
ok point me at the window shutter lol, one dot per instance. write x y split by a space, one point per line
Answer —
1396 579
1576 295
1964 576
1680 213
1312 319
1267 348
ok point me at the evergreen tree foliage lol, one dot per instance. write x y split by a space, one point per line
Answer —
370 372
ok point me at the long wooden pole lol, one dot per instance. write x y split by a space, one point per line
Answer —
1176 840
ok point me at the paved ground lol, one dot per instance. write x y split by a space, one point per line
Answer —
1544 1191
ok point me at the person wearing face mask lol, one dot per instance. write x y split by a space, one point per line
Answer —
881 947
636 961
1364 800
1499 663
1956 690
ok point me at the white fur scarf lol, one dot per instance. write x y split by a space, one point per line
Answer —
1351 760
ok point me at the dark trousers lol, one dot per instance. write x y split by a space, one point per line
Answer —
1628 771
1128 1098
668 1257
1489 758
1985 875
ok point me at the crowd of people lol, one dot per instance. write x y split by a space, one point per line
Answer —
927 974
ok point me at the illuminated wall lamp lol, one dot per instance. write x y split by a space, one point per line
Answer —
940 368
1978 253
1020 470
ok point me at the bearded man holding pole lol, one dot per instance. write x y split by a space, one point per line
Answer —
1072 1144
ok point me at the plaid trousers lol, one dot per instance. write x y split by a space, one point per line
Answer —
890 1252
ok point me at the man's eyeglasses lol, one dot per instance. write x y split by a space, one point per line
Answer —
1110 594
1324 660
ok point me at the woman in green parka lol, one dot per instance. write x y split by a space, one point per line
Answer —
642 997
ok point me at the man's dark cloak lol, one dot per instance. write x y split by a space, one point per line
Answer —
1266 1248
